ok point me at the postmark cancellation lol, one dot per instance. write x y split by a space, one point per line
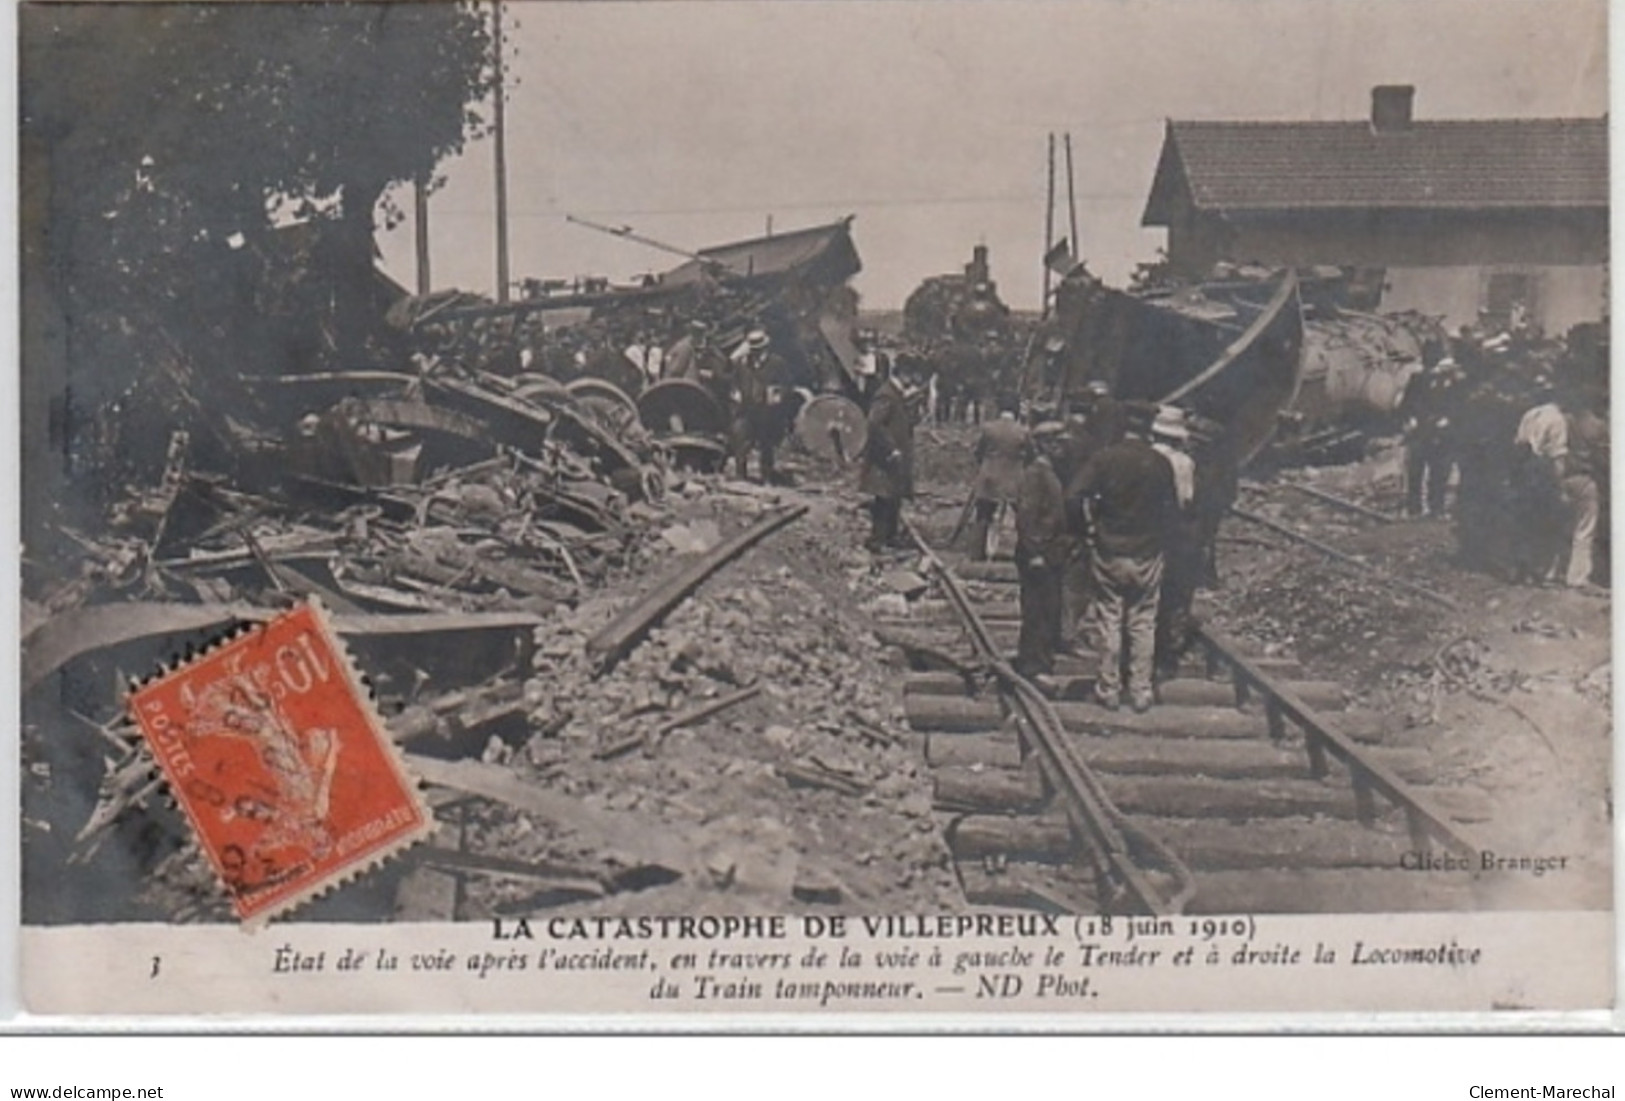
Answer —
275 753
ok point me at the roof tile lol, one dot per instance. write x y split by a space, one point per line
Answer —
1470 164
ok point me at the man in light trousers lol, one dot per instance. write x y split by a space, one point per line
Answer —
1127 496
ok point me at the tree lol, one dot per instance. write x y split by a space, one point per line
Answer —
161 142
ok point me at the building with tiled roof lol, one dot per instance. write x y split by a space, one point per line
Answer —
1451 217
824 253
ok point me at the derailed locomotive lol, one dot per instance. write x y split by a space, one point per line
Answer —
1230 354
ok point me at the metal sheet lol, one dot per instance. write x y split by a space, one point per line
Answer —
838 335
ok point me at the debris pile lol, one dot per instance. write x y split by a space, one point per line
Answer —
747 731
598 707
439 517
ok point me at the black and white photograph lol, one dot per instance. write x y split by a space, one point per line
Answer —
1061 507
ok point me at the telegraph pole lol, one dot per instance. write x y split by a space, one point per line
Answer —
1072 200
1049 224
420 233
501 159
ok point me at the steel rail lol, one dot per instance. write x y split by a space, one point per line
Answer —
1113 839
1344 557
1322 740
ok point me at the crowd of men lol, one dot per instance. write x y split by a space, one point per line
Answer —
1115 504
1108 544
1106 522
1524 440
966 379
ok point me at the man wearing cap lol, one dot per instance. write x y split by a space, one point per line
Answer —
1095 422
999 450
1128 503
1427 411
1182 551
887 474
1041 551
1486 427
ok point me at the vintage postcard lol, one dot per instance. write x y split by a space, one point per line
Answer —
890 511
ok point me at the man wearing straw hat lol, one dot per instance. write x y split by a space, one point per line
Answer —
761 379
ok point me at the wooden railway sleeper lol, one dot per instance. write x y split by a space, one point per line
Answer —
1112 840
1321 738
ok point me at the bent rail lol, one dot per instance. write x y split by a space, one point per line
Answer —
1113 839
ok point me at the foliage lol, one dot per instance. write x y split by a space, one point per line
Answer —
162 144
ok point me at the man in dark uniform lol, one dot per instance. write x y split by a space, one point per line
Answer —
1485 429
888 461
1097 421
1041 550
761 386
1428 411
1126 496
999 450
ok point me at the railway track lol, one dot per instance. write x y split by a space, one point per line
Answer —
1248 788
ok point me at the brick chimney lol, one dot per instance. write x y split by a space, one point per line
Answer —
1391 107
977 270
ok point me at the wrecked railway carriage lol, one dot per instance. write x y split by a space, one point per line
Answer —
443 505
791 285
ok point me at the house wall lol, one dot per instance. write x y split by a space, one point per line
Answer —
1436 263
1564 295
1439 240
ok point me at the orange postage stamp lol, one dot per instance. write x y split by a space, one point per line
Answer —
278 758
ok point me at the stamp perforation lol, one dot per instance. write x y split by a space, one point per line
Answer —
283 751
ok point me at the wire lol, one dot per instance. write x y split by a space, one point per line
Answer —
757 208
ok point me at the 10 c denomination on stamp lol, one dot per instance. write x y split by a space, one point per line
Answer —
278 758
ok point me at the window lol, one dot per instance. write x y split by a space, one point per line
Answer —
1509 298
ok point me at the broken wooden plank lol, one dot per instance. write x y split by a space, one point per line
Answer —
460 719
582 880
703 711
617 639
631 838
808 774
73 635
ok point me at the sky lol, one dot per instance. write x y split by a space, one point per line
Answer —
694 121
